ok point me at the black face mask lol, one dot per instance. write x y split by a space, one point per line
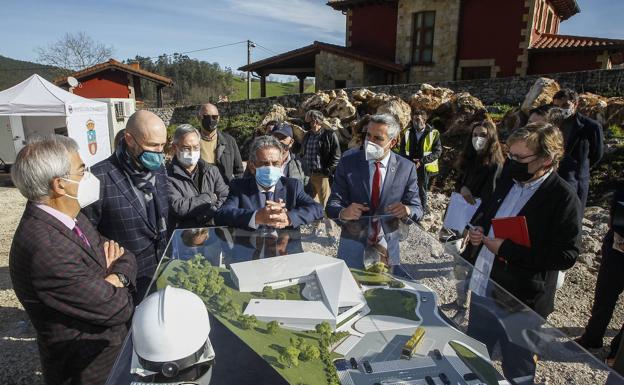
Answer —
307 126
208 123
518 171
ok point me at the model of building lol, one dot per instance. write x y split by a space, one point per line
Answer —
334 295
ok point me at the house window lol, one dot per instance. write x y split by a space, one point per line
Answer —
119 111
481 72
340 84
540 13
549 21
422 38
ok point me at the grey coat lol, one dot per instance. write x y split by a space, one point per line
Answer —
189 206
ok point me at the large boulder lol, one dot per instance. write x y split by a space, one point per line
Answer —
615 112
464 109
298 132
332 124
363 95
318 101
429 98
340 107
594 106
541 92
397 107
277 112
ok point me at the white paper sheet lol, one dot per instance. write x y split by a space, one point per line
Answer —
459 212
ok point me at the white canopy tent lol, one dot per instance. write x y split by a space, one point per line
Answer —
38 107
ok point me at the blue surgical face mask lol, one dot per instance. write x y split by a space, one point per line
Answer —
152 160
267 176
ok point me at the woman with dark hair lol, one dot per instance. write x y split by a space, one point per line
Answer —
479 163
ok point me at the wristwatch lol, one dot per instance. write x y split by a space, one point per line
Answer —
123 279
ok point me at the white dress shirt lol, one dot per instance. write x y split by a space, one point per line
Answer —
383 168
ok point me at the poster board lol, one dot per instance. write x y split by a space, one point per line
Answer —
91 132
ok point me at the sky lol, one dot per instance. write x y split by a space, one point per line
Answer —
153 27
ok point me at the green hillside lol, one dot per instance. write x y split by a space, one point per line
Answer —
273 88
14 71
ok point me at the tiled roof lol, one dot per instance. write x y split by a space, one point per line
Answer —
549 41
112 63
318 46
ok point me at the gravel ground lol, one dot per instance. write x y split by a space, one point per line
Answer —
19 361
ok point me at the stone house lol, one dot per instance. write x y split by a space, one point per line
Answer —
414 41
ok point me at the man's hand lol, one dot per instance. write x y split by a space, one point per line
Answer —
493 244
274 215
467 194
398 210
417 163
112 251
476 236
113 279
353 212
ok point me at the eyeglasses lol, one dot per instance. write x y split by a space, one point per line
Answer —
517 157
86 169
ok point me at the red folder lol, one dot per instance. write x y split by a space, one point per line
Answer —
512 228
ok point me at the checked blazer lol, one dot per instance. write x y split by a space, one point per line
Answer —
120 215
81 320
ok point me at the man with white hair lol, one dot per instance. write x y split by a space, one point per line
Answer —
197 188
134 188
375 181
73 283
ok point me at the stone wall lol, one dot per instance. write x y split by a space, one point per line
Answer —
490 91
444 38
331 67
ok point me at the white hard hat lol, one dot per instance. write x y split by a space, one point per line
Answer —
170 332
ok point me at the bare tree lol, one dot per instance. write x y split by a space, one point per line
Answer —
74 52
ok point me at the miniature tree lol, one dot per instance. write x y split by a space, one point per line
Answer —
309 352
267 292
324 329
273 327
290 356
281 295
378 268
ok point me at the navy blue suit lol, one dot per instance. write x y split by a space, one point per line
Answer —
351 185
244 199
120 216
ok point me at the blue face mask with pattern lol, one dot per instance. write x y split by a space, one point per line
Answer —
267 176
152 160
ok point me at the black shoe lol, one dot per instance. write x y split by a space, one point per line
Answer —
588 344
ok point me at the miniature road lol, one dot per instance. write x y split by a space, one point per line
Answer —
385 337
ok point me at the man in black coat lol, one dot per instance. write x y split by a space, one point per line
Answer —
197 188
217 147
583 144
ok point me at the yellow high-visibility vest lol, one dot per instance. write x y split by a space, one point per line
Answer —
432 167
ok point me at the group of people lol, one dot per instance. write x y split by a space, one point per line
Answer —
90 240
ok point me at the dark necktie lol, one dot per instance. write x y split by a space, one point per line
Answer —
269 196
376 190
81 235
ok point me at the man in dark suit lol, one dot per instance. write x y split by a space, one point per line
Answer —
73 283
267 198
583 143
357 190
217 147
133 208
375 181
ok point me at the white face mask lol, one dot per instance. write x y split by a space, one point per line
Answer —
567 112
188 158
88 189
373 150
479 143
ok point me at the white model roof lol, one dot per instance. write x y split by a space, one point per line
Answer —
272 308
254 275
334 278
